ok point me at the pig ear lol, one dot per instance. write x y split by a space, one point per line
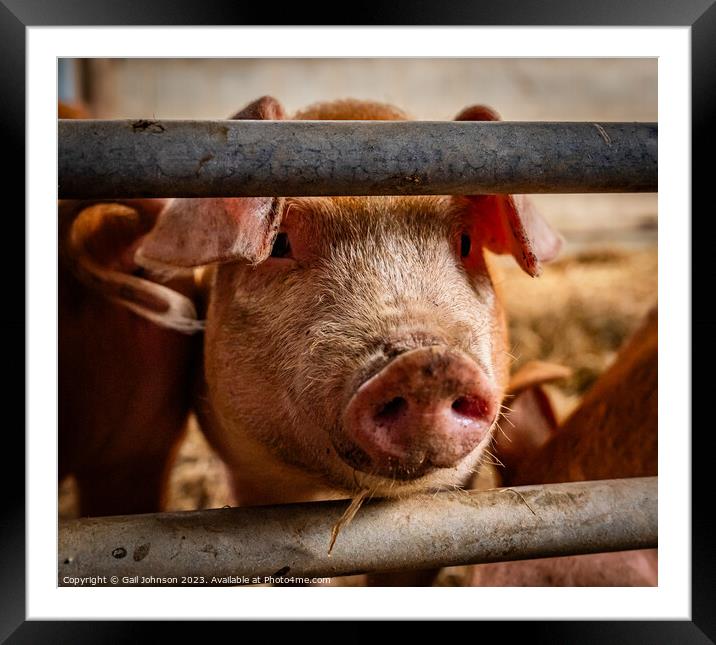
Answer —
511 223
193 232
536 373
97 242
267 107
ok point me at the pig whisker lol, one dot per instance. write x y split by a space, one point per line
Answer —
506 418
474 470
483 460
504 434
392 485
496 461
499 463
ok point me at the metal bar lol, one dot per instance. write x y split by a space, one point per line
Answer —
445 529
110 159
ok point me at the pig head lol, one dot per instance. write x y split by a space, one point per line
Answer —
351 342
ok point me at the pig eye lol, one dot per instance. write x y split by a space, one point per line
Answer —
281 246
465 245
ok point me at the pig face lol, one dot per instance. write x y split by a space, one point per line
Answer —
358 340
369 346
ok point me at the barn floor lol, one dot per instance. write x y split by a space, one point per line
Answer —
577 314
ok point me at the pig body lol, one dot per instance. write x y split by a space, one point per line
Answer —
612 433
619 569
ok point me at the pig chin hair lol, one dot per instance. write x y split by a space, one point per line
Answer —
453 478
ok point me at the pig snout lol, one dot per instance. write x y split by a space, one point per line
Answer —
428 408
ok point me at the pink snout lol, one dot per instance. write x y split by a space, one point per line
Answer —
426 409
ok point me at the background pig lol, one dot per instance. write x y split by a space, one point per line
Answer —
612 434
350 343
124 360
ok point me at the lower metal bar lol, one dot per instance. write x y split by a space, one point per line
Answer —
448 528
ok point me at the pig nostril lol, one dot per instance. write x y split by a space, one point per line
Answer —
472 407
391 410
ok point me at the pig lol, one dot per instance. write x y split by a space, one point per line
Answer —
72 111
127 349
350 343
612 434
126 352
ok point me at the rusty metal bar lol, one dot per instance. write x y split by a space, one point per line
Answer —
445 529
112 159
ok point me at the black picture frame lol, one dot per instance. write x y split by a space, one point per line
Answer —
699 15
